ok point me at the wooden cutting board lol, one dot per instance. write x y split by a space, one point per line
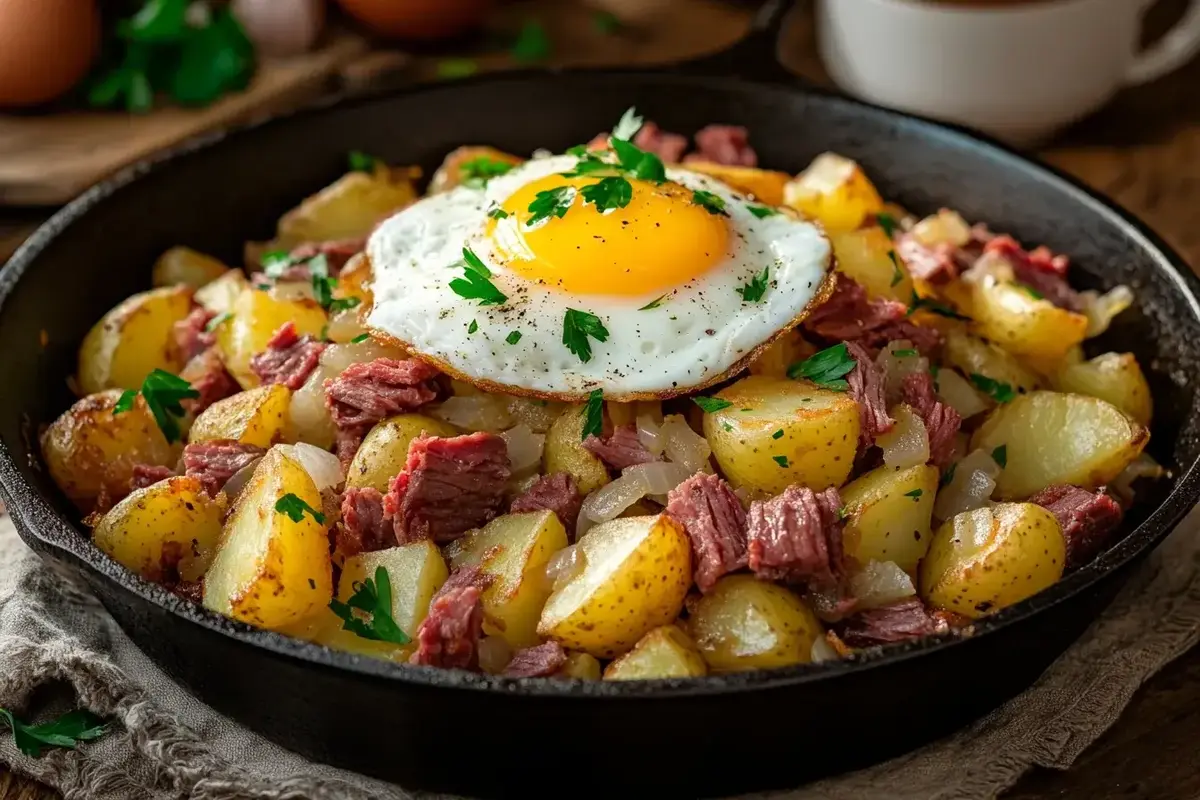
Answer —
49 159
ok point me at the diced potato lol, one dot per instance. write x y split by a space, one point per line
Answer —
888 515
256 317
781 354
834 191
384 452
170 524
1113 377
348 208
745 624
779 432
944 227
764 184
450 173
90 452
256 416
134 339
989 558
270 570
513 549
867 256
583 666
564 452
183 265
636 573
1009 316
219 296
664 652
355 280
973 356
1059 438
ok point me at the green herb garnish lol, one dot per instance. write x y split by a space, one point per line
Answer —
343 304
608 194
476 286
888 223
550 203
496 212
948 475
373 599
1029 290
513 337
362 162
474 326
827 368
762 211
712 203
162 392
451 68
67 731
642 165
593 414
897 273
711 404
906 353
781 461
217 321
478 171
532 43
628 125
322 286
914 494
777 434
294 508
1000 455
606 22
997 390
362 337
753 291
577 327
933 306
655 303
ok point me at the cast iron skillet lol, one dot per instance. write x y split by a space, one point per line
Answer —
450 730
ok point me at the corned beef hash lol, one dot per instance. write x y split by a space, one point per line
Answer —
623 412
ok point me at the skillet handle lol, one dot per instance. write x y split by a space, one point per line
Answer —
756 56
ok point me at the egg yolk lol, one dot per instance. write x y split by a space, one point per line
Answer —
661 239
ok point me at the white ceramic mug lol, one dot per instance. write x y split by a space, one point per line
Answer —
1019 72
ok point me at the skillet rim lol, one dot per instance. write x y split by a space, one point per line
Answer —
36 517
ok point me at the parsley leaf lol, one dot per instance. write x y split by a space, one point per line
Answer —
550 203
474 326
1000 455
577 327
777 434
753 291
781 461
914 494
762 211
162 392
476 285
217 321
276 262
997 390
888 223
934 306
362 162
606 22
67 731
450 68
373 598
908 353
711 404
826 368
362 337
478 171
593 414
712 203
295 507
322 286
628 126
125 401
343 304
608 194
1029 290
496 212
513 337
897 273
948 475
532 43
655 303
642 165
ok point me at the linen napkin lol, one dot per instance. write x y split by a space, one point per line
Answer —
59 649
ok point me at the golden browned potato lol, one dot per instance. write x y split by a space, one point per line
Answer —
788 349
384 452
355 280
90 452
636 573
888 515
973 356
1054 438
989 558
744 623
1006 314
835 192
349 208
273 570
665 652
256 315
256 416
219 296
173 524
583 666
564 452
514 550
779 432
764 184
134 339
183 265
867 256
454 169
1113 377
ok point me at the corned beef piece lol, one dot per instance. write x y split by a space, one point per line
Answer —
1039 269
215 462
449 636
866 382
208 376
715 523
472 575
619 449
537 662
1087 519
941 420
557 493
797 537
907 619
347 442
724 144
289 358
367 393
924 339
848 314
363 528
167 573
189 333
664 144
935 264
147 475
449 486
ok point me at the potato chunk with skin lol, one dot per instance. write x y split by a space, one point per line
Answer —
888 514
636 573
868 256
745 624
256 315
765 185
451 172
183 265
779 432
973 356
1113 377
564 452
257 416
219 296
513 549
90 452
134 339
270 570
1052 438
384 452
172 515
349 208
835 192
775 359
989 558
1009 316
665 652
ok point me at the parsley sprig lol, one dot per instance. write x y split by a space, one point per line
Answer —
897 273
997 390
762 211
1000 455
753 291
888 223
532 43
358 161
577 327
712 203
550 203
162 392
608 194
372 599
593 414
827 368
294 507
655 303
478 171
67 731
711 404
476 285
933 306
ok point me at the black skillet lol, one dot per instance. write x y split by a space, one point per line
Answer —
456 731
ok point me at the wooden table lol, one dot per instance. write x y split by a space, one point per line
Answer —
1143 150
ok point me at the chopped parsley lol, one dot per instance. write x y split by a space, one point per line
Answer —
642 165
217 321
1029 290
711 404
322 286
726 426
276 262
476 286
933 306
496 212
843 512
827 368
781 461
628 126
606 22
373 599
362 337
550 203
324 334
1000 455
343 304
897 273
762 211
532 43
712 203
997 390
67 731
593 414
608 194
655 303
474 326
478 171
163 393
914 494
753 291
450 68
948 475
908 353
358 161
777 434
513 337
577 327
888 223
294 508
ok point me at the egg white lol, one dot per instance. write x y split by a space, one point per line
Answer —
696 334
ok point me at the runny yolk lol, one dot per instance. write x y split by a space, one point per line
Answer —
660 240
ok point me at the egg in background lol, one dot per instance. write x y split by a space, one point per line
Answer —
46 48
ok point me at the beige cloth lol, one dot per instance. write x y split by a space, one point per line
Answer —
166 744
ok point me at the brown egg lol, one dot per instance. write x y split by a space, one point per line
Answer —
46 47
417 19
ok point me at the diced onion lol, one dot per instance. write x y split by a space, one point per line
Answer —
564 565
611 499
339 356
524 448
960 395
897 368
1101 308
539 415
650 434
321 465
237 482
971 487
822 650
880 583
907 444
1141 467
658 477
345 325
494 654
291 291
683 445
989 269
477 412
944 227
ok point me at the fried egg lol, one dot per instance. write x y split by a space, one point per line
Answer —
668 293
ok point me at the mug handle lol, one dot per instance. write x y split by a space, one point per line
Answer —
1169 53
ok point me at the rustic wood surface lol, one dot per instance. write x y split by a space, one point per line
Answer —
1143 150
